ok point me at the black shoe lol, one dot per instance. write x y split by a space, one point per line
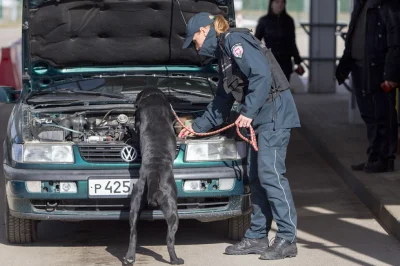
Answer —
280 249
358 167
380 166
248 246
362 166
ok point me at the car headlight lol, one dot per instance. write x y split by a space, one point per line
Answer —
200 151
42 153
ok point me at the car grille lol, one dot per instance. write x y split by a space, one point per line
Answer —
104 153
122 204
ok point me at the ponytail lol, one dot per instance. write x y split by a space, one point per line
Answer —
220 24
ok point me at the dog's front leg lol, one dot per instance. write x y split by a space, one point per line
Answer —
171 216
136 200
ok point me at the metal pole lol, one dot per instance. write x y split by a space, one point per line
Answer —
323 26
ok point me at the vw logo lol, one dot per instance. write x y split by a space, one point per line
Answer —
128 154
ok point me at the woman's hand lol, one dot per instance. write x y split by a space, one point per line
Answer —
184 132
243 121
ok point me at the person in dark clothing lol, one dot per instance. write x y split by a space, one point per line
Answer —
272 120
278 32
372 55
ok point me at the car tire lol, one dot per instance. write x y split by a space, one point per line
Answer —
238 226
18 230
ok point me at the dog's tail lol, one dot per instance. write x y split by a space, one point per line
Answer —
153 189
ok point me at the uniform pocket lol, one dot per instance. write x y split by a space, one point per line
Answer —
275 139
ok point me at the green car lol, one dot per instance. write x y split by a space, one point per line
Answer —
71 151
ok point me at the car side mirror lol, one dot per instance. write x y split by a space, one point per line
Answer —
9 94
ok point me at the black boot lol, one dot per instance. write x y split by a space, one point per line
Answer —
358 167
362 166
248 246
380 166
280 249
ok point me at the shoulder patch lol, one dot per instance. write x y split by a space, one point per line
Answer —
237 50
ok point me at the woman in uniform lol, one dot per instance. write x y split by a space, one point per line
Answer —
272 120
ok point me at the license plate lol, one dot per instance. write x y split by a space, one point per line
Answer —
111 187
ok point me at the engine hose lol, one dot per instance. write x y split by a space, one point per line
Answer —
103 120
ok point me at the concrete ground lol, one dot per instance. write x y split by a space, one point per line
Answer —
325 124
334 228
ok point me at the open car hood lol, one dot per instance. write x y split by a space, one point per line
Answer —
87 37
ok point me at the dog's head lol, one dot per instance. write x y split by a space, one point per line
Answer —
145 93
147 97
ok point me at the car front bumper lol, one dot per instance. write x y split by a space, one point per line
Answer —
79 206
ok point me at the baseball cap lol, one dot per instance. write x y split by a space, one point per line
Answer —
199 20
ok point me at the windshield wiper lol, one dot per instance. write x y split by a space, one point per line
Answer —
74 92
199 94
111 95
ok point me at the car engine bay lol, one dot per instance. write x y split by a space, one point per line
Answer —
92 126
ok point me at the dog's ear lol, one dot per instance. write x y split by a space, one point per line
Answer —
172 116
137 120
138 97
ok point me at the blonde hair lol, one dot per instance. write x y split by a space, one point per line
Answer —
220 24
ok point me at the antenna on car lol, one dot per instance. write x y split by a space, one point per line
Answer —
180 9
184 20
198 56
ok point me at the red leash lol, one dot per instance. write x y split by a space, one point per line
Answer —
253 138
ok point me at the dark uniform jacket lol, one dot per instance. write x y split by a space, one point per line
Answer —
382 43
254 66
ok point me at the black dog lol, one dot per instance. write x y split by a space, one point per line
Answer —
153 121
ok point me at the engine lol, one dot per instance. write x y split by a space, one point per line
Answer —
84 127
92 126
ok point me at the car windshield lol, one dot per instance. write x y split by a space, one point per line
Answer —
130 86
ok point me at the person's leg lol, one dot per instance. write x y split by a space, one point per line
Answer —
261 218
378 111
271 173
393 131
365 103
255 240
387 130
